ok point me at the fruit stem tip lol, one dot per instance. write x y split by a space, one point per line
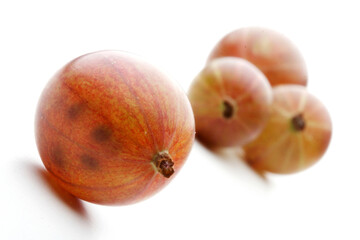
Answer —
298 122
228 109
164 164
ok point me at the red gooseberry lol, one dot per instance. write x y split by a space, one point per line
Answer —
230 98
295 137
274 54
112 129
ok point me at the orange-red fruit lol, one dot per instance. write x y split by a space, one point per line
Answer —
274 54
230 98
296 136
112 129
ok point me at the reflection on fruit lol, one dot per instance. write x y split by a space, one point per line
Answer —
296 136
271 52
230 99
112 129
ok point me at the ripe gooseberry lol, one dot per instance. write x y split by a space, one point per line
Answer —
296 136
112 129
230 98
274 54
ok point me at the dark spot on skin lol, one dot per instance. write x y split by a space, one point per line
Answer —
101 134
75 110
58 157
89 162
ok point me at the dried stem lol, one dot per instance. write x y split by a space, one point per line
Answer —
164 164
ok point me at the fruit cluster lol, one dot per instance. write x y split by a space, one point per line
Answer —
252 93
112 129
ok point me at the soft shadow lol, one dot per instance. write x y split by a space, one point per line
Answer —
258 171
233 159
71 202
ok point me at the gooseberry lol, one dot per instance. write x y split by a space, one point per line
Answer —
274 54
230 98
296 135
112 129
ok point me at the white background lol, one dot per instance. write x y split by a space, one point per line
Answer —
213 197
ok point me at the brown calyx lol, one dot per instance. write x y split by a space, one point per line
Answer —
228 109
298 122
164 164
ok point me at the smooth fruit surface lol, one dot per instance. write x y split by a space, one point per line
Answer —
296 136
112 129
274 54
230 98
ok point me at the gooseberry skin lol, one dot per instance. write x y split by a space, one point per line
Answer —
104 120
296 136
274 54
230 98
